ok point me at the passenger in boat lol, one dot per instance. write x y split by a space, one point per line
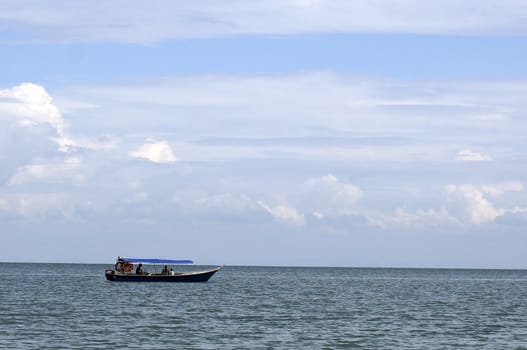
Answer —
172 272
165 270
139 270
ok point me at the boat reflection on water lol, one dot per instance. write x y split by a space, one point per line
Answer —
124 271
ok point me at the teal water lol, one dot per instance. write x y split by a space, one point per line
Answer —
58 306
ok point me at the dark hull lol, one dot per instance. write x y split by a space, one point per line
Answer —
199 276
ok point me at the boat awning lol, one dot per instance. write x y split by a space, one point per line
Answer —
158 261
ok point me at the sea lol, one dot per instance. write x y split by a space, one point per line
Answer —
72 306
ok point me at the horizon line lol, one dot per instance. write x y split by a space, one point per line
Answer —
293 266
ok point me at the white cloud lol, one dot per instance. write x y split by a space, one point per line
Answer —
28 123
285 214
35 148
155 151
122 21
321 115
304 124
480 209
467 154
477 205
32 105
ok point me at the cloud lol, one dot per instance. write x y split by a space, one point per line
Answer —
238 203
424 218
38 206
499 189
237 209
67 171
68 144
155 151
35 147
340 224
516 219
137 22
471 156
318 115
285 214
30 105
378 137
329 196
478 206
28 123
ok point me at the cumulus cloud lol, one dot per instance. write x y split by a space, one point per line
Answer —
164 20
155 151
35 147
32 105
284 117
285 214
28 123
477 204
471 156
467 205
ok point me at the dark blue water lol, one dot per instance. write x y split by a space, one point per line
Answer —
56 306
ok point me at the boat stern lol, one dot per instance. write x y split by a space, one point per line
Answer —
110 275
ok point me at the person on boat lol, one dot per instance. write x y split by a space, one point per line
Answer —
165 270
139 270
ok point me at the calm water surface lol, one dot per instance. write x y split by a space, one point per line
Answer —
57 306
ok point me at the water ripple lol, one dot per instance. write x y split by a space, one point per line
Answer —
54 306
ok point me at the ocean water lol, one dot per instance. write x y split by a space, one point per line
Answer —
60 306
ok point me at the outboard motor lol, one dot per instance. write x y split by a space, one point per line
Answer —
110 275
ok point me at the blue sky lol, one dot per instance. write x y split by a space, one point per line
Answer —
333 133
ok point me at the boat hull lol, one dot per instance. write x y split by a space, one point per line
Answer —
198 276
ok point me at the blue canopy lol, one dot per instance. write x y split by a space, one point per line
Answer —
158 261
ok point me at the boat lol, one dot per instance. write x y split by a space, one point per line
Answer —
124 271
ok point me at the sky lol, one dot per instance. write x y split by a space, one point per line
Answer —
387 133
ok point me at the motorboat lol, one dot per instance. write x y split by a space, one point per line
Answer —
131 270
